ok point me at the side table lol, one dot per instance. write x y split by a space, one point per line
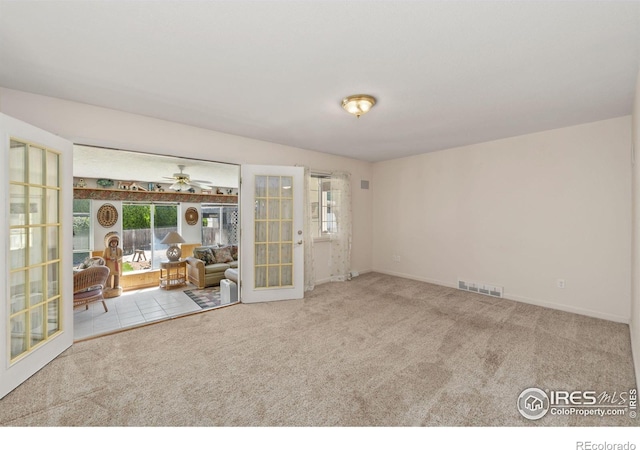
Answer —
173 274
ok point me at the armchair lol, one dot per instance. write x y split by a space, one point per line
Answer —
88 286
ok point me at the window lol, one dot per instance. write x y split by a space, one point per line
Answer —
144 225
81 230
219 224
322 198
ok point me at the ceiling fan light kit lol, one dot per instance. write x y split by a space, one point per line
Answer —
183 182
358 104
179 186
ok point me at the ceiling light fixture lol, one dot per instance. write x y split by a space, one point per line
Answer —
180 185
358 104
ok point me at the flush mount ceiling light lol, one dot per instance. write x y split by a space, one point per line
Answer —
358 104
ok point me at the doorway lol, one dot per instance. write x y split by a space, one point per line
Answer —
151 195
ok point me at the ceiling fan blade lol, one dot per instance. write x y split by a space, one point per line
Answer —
184 181
200 185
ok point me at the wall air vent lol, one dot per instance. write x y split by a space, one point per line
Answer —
480 288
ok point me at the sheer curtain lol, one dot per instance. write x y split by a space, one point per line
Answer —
340 263
309 263
340 240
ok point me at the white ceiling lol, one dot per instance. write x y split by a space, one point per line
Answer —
445 73
92 162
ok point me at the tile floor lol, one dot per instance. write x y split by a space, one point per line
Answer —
131 309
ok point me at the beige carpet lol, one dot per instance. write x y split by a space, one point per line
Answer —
375 351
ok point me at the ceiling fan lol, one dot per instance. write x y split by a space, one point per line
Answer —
183 182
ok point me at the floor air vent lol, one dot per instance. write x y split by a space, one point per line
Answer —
480 288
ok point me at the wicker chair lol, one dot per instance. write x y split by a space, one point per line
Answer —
88 286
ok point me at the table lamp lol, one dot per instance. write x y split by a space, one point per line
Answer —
173 251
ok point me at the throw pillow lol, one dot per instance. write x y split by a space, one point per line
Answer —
205 255
88 262
234 252
95 262
223 255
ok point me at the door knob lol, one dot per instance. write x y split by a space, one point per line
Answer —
300 242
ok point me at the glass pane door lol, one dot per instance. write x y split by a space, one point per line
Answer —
164 220
36 318
34 238
273 231
272 252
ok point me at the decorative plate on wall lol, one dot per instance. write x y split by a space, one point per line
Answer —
107 215
191 216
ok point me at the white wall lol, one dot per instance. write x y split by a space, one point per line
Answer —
520 213
634 324
85 124
192 234
99 231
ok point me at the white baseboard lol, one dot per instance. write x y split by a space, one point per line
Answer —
518 298
635 349
328 280
412 277
569 308
360 272
323 281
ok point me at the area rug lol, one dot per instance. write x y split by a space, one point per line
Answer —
207 297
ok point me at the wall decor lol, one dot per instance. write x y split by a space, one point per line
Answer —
191 216
107 215
154 196
104 183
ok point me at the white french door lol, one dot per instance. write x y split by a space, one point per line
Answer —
36 310
272 251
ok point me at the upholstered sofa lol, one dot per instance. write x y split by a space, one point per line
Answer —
207 265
